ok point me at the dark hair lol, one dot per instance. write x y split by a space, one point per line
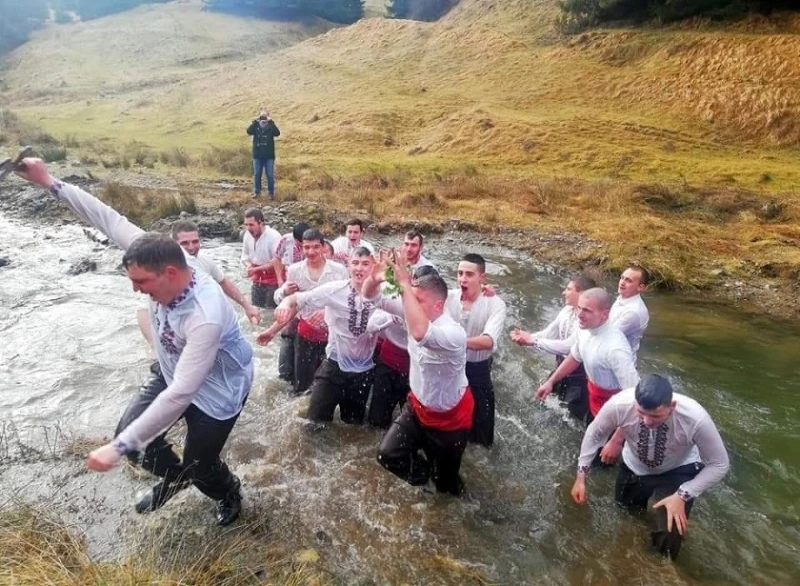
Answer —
314 234
256 214
355 222
476 259
644 278
326 243
412 234
361 251
155 252
423 271
653 391
299 230
583 283
434 283
183 226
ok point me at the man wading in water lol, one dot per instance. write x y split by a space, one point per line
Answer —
204 370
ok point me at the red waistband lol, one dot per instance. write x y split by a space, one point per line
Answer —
459 418
313 334
394 357
268 277
598 396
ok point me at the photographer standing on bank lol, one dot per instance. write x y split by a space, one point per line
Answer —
263 130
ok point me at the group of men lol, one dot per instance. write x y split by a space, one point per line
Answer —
357 323
671 449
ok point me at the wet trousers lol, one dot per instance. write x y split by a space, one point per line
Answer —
440 459
205 438
633 492
333 387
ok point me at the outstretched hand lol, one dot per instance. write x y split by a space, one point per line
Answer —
35 171
396 261
521 337
544 390
103 459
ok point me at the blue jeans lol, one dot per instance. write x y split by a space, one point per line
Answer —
268 167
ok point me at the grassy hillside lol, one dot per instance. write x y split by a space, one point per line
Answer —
689 135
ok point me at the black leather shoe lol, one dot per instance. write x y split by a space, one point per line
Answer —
230 506
157 496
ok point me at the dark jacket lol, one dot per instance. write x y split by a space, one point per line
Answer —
263 139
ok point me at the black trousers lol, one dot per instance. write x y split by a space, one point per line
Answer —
205 438
479 376
332 387
440 459
286 354
388 390
634 491
574 395
263 295
308 357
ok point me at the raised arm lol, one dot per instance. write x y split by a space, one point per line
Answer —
90 209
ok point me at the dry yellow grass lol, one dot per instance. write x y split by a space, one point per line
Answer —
36 549
558 134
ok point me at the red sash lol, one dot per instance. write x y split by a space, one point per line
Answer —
598 397
267 277
308 332
394 357
459 418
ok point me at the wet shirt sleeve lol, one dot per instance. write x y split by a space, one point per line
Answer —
97 214
496 323
597 434
194 364
713 455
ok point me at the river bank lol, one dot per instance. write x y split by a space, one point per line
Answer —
765 288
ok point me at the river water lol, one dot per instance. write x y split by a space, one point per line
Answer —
71 357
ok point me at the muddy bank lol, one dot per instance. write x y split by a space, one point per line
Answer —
756 292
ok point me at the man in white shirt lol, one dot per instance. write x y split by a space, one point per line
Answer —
602 348
629 313
259 256
483 317
344 246
187 235
411 250
204 370
390 386
312 333
558 338
345 376
428 438
288 252
673 453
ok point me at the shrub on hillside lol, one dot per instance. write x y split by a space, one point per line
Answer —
145 206
577 15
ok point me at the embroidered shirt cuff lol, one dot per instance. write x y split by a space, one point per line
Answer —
56 188
685 495
121 447
583 470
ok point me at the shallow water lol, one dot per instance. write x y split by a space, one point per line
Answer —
71 357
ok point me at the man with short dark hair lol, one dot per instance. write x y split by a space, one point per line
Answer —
428 438
343 246
187 235
259 256
390 386
312 333
557 339
288 253
264 131
483 317
204 370
345 376
673 453
629 313
411 250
